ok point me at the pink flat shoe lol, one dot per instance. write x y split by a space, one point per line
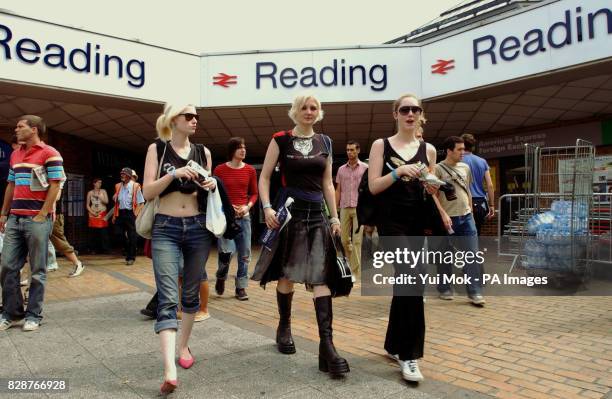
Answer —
168 387
184 363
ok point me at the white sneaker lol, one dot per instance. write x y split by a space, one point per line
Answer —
6 324
477 300
410 370
78 269
53 267
446 295
30 325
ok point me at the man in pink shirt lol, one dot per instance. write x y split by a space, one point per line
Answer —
240 181
347 180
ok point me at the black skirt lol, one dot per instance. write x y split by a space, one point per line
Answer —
304 252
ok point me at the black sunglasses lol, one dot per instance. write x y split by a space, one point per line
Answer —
189 116
406 109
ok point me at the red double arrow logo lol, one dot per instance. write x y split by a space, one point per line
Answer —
442 66
224 80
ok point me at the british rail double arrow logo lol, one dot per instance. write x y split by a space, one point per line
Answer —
442 66
225 80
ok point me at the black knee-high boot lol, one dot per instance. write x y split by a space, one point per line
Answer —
284 340
329 360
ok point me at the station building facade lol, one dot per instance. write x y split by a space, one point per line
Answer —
540 74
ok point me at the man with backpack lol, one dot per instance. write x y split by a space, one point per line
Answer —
347 192
458 219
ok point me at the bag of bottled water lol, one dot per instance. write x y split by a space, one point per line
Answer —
540 221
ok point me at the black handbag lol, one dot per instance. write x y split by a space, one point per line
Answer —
341 278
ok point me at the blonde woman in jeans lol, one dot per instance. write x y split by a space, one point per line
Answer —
179 230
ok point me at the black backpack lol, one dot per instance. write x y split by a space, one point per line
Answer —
366 204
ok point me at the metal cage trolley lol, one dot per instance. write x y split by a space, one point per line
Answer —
547 228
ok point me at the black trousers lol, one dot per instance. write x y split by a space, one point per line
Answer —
99 240
406 328
126 226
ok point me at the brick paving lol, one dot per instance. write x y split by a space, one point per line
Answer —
515 347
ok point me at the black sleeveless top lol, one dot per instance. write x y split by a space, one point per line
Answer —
173 160
405 190
303 161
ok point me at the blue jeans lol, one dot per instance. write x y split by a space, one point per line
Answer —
241 244
178 242
23 237
465 238
52 258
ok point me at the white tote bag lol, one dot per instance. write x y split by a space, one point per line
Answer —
215 218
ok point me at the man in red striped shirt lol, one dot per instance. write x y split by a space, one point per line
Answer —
240 181
36 171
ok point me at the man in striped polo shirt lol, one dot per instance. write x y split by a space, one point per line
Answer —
36 171
240 181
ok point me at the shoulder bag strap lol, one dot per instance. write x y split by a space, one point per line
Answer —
160 160
459 179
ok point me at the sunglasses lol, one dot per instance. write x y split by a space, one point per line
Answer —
406 109
189 116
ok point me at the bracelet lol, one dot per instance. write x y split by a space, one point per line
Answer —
394 175
266 206
172 172
334 221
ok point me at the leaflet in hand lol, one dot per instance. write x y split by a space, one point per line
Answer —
198 168
427 177
284 216
203 173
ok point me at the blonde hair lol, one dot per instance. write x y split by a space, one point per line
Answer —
298 103
396 105
164 121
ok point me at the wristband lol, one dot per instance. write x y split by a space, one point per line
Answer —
394 175
334 221
172 172
266 206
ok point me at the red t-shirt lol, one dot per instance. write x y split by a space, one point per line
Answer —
23 161
240 184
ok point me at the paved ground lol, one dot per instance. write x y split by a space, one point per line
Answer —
515 347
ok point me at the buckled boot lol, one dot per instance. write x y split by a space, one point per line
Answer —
284 340
329 360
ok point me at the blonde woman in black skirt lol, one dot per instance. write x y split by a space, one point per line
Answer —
392 178
304 252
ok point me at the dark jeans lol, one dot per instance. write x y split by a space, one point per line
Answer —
480 209
463 239
22 238
126 226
